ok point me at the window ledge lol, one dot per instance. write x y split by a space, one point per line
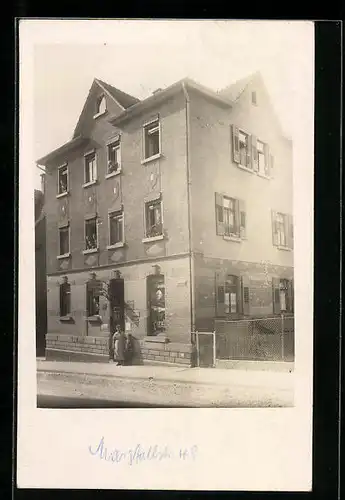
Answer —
153 238
66 319
91 183
120 244
90 250
232 238
61 195
97 115
151 158
264 176
113 174
160 338
286 249
247 169
64 256
95 319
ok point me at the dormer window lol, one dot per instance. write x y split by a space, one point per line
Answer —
101 106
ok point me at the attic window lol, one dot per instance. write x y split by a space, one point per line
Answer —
101 106
254 101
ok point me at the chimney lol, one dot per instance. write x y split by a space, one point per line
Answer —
156 91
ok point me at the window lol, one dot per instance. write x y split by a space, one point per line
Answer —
261 157
115 228
64 240
92 297
282 230
151 139
254 101
101 105
230 216
63 179
251 153
65 298
153 218
90 168
228 296
244 149
114 157
91 234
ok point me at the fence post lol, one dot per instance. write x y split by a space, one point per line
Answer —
282 337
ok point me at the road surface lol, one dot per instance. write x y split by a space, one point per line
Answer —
65 390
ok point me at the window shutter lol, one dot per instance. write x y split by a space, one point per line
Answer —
290 231
276 295
220 293
291 295
274 228
255 165
235 144
267 160
249 152
242 218
245 295
219 214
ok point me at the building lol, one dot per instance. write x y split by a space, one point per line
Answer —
40 273
179 206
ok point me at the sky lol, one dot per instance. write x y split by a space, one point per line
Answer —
141 56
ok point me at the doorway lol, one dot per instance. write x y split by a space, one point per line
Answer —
117 303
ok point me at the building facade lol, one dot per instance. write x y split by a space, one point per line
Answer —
40 273
167 213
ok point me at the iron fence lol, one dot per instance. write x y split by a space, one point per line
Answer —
269 338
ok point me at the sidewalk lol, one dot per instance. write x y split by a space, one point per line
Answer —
203 376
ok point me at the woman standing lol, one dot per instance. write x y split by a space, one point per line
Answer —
119 345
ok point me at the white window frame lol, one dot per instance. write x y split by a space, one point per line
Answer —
98 103
160 236
284 217
94 181
96 249
68 254
240 131
262 153
64 193
108 144
144 128
120 243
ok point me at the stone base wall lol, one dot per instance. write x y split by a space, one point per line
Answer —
60 346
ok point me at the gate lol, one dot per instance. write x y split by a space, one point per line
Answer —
206 349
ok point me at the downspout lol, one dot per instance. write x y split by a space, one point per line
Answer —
189 203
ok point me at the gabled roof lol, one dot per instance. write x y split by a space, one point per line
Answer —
122 99
126 100
157 97
234 90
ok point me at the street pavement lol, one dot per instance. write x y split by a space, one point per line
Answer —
78 384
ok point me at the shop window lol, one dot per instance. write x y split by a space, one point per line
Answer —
156 304
65 297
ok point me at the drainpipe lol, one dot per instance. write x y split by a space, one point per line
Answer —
189 204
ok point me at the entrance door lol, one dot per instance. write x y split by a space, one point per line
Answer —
117 303
156 304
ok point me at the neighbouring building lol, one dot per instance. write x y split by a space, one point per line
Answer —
40 273
179 206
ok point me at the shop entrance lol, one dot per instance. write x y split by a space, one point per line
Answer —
117 303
